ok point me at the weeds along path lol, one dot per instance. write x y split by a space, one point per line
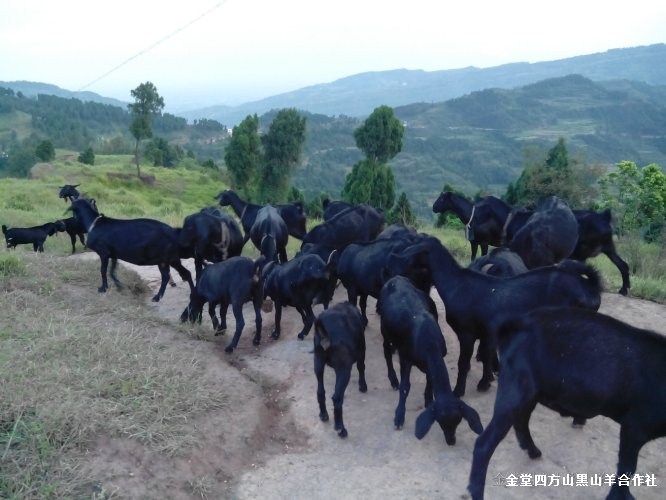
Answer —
274 445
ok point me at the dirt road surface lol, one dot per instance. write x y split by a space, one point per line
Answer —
272 445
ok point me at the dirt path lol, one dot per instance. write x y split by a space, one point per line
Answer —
276 446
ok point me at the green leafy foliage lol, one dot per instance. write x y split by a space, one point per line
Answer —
380 136
637 198
243 156
45 150
87 157
147 103
402 212
370 183
282 149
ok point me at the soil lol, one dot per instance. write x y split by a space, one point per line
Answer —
271 444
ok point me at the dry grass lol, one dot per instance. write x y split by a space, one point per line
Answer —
76 366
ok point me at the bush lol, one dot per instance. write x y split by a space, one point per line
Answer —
87 157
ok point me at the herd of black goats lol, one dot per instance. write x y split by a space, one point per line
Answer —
531 303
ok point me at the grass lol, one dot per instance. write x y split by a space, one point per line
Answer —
76 366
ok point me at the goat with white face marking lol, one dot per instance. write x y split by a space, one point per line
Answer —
339 342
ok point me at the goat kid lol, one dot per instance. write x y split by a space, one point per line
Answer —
339 342
409 323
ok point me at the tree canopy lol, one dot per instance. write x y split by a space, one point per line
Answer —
243 155
147 102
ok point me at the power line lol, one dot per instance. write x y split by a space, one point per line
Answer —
151 47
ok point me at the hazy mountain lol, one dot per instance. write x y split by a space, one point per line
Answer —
33 89
478 141
358 95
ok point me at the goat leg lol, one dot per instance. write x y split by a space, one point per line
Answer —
257 320
342 376
240 324
319 365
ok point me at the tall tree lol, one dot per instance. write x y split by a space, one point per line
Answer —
283 146
243 156
370 183
147 102
555 175
371 180
380 136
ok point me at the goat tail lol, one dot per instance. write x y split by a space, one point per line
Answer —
4 229
588 271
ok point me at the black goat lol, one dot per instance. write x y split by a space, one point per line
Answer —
548 236
576 362
297 283
332 208
269 234
595 236
409 323
474 300
356 224
361 268
234 281
339 342
144 242
293 214
500 262
212 235
68 192
483 219
74 229
35 235
330 256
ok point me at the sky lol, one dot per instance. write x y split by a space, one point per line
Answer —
208 52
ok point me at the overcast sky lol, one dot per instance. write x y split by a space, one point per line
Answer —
205 52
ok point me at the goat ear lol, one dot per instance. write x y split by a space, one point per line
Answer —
472 417
424 421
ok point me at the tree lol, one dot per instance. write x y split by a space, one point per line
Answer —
147 102
243 156
370 183
637 198
282 149
87 157
555 175
371 180
402 212
45 151
380 136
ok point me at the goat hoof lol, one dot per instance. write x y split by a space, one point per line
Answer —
623 291
323 417
483 386
459 393
101 289
156 298
275 336
343 433
229 349
220 331
256 341
301 336
534 453
363 387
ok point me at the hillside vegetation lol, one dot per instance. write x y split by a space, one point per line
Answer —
164 194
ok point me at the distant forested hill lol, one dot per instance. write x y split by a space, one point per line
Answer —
478 141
